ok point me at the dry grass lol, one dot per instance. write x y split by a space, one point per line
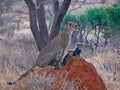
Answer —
107 64
45 81
40 82
16 56
19 53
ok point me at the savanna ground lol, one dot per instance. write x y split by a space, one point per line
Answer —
18 53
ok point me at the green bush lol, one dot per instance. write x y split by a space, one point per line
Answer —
107 18
79 18
82 20
96 16
113 13
69 17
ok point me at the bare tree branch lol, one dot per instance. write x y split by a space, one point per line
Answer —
56 7
33 24
41 3
83 2
58 20
42 22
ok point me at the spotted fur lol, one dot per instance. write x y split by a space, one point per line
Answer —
53 50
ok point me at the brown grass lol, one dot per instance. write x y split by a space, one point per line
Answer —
15 59
107 64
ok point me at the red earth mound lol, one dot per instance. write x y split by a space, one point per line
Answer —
78 70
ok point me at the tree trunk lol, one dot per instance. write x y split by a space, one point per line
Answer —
42 22
106 41
38 21
58 19
56 7
33 24
81 38
86 40
98 36
81 34
56 10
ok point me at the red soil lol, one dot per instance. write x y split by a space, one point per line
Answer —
78 70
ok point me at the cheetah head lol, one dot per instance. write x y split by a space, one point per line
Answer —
72 26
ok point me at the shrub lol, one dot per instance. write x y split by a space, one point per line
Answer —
69 17
82 20
113 13
96 16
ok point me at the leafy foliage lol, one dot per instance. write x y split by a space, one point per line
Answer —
69 17
79 18
82 21
107 18
96 16
114 17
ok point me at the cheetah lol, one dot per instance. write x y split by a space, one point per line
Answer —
54 49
